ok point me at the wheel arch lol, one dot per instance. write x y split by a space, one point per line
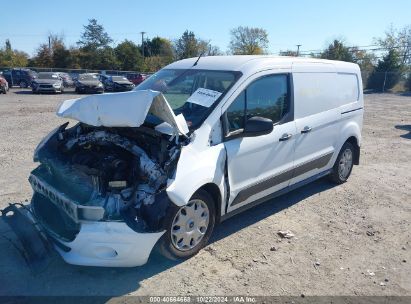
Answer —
215 193
354 141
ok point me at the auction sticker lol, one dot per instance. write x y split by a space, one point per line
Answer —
204 97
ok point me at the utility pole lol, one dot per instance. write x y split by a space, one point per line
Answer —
49 44
142 43
298 49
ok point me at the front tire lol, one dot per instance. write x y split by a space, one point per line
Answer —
343 164
189 227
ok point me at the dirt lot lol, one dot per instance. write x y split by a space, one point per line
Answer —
352 239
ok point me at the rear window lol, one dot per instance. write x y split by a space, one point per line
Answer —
348 87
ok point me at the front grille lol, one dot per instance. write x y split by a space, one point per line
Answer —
58 224
68 206
65 203
46 86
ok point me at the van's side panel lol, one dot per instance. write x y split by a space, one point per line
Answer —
331 104
316 109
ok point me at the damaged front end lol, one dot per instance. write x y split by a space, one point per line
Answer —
102 174
99 191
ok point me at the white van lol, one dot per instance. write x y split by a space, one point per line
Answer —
197 142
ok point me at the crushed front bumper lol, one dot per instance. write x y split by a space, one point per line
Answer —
105 244
108 244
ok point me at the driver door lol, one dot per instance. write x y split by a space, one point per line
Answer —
260 165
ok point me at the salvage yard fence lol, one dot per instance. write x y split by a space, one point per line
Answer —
401 77
76 71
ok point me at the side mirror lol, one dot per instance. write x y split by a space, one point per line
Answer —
256 126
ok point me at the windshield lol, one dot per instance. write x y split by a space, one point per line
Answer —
191 92
88 77
47 76
119 78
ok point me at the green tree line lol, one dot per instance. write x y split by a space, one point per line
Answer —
384 66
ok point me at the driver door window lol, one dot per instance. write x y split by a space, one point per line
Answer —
266 97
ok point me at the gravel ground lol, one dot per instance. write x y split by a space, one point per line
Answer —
352 239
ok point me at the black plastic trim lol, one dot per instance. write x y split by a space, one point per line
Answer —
274 195
352 110
282 177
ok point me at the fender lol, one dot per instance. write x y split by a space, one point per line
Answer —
350 128
195 169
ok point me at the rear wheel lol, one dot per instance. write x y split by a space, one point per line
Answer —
343 164
189 227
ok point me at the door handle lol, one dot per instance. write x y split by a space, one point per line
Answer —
306 130
285 137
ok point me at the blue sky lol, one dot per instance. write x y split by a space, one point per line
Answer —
311 23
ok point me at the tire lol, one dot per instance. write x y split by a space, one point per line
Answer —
342 168
174 249
23 84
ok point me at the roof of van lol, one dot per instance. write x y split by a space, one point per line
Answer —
250 63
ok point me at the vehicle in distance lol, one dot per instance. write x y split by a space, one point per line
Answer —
88 83
4 86
67 80
191 146
114 83
136 78
19 77
47 82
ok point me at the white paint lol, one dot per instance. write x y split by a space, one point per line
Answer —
126 109
109 244
252 160
318 104
204 97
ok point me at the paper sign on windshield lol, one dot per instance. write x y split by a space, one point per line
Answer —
204 97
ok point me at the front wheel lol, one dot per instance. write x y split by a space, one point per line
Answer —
189 227
343 164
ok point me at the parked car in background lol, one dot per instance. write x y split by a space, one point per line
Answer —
19 77
67 80
4 85
116 83
89 83
136 78
74 76
47 82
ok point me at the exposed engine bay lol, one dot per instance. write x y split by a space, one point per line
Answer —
89 173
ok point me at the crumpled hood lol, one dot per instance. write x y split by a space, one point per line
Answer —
127 109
